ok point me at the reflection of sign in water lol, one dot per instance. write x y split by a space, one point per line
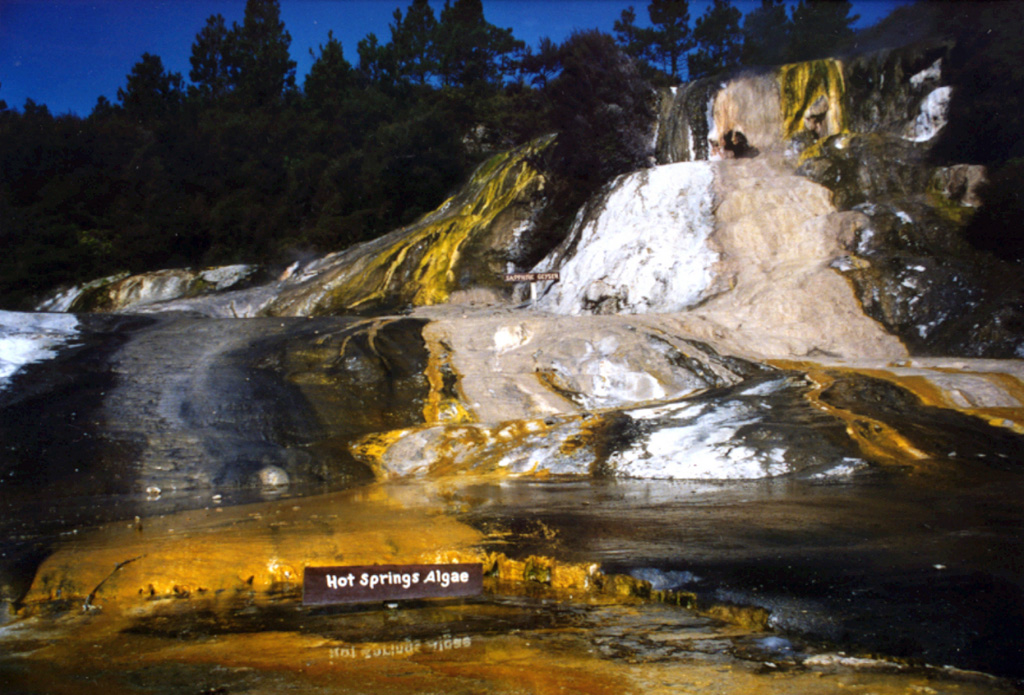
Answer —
323 585
386 650
531 277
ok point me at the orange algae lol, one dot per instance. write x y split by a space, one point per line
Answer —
119 648
477 448
876 439
104 658
442 405
880 441
253 551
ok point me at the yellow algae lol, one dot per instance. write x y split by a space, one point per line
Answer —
545 661
476 448
441 405
748 617
934 393
813 96
372 448
258 552
474 646
948 396
417 266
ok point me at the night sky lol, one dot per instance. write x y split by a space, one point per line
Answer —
66 53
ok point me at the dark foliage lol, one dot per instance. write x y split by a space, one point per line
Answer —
817 27
766 32
602 109
721 39
717 38
986 117
986 114
661 48
242 166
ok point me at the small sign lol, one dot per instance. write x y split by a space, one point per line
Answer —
531 277
366 583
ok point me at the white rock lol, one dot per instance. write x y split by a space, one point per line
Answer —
647 250
933 115
26 338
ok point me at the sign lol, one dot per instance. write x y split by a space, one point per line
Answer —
531 277
366 583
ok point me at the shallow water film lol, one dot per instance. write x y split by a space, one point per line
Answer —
166 480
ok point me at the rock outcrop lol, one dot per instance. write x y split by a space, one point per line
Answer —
134 292
759 244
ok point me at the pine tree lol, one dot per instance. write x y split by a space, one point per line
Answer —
329 77
374 60
151 92
544 64
818 26
412 42
635 41
670 37
718 40
213 60
469 50
266 71
766 32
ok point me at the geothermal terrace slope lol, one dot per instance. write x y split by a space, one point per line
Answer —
722 397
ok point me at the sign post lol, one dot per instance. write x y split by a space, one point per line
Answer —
371 583
533 279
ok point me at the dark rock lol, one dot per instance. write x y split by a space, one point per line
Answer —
884 89
683 122
917 275
869 167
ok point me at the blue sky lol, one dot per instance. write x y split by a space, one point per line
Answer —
66 53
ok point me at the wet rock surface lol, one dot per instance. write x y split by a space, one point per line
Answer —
148 415
783 572
854 505
503 645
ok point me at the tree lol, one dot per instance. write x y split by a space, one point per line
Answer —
818 26
717 38
213 60
986 112
151 93
635 41
266 71
544 64
412 42
601 107
329 77
374 60
469 50
670 37
766 32
996 226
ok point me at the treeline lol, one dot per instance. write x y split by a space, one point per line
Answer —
241 163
